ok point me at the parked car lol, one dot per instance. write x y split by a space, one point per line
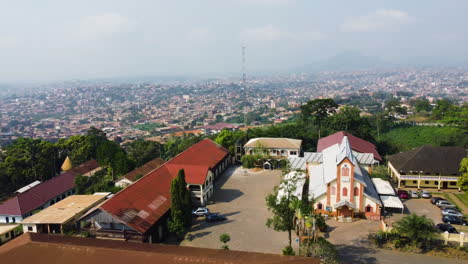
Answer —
215 217
414 194
434 200
403 194
451 212
445 204
425 194
201 211
446 227
454 220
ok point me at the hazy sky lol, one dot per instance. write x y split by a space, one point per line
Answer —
52 40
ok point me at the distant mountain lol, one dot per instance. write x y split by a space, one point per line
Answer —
345 61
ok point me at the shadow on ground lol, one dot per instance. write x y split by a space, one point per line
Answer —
356 254
202 224
227 195
191 237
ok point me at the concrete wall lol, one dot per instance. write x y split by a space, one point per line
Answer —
16 219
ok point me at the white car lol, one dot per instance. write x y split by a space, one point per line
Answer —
201 211
445 204
451 212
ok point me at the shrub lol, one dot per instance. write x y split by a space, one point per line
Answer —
320 223
289 251
248 161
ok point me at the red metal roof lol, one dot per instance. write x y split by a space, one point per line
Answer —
204 153
357 144
142 204
38 195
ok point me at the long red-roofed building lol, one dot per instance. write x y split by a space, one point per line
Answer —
39 195
140 212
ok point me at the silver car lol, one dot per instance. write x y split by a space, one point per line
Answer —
425 194
445 204
451 212
413 194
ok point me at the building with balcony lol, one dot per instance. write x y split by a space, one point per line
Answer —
274 147
427 167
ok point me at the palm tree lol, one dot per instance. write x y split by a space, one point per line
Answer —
417 229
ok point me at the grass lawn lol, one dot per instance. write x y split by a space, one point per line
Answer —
463 197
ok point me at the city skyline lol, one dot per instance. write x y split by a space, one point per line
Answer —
51 40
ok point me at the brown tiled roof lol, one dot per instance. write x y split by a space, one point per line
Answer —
46 249
145 169
429 160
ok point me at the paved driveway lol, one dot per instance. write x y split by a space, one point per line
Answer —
240 195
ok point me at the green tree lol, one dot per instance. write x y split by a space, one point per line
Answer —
228 139
322 249
224 238
380 172
442 109
419 230
140 152
349 119
318 110
181 203
283 209
422 105
463 179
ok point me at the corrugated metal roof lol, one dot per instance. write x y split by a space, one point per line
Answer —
358 144
142 204
38 195
299 163
383 187
392 202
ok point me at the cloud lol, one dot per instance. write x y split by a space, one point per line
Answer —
379 20
200 34
102 26
8 42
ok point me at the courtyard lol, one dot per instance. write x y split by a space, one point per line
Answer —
240 196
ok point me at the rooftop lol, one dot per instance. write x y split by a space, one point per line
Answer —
44 248
358 144
65 210
281 143
4 228
430 160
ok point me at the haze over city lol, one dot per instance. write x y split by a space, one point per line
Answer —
61 40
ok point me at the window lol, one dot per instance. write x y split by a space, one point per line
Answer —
453 183
345 170
345 191
7 219
293 152
415 182
333 190
30 228
7 235
356 191
368 208
426 182
13 220
319 206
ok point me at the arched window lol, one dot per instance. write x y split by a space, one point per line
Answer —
333 190
345 170
319 206
356 191
368 208
345 191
